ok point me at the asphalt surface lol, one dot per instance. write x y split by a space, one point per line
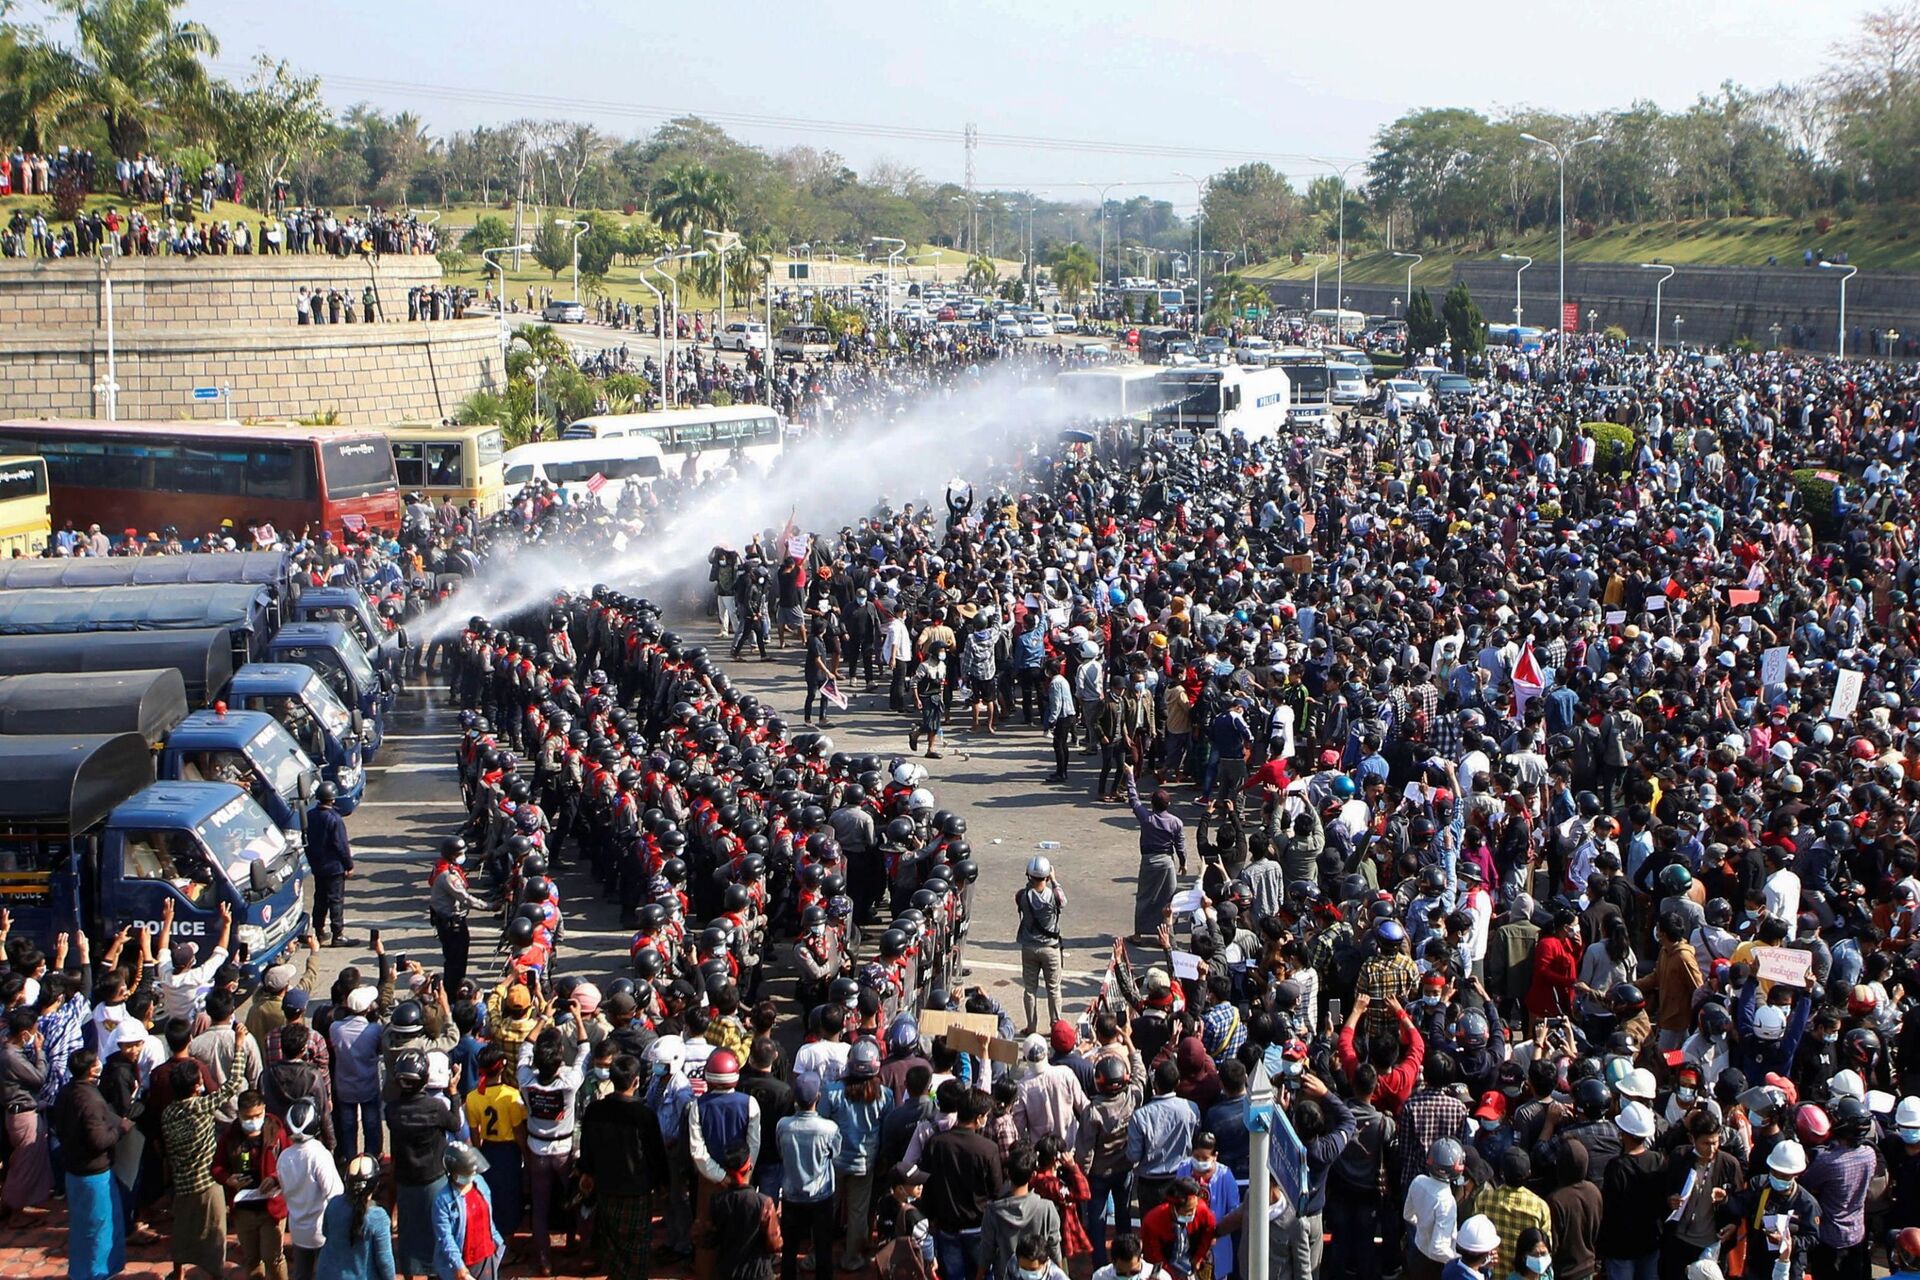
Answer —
997 782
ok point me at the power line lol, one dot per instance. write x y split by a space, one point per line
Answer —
534 102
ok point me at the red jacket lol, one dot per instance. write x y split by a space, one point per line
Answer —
1156 1236
1555 966
1397 1083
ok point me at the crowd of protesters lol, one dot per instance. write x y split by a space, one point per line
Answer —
1527 806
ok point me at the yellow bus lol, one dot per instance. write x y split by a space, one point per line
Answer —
25 509
458 462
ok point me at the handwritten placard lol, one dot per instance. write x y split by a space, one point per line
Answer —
1783 965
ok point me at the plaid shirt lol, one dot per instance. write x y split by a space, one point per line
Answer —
1512 1210
1428 1116
1222 1030
1387 977
188 1127
1444 736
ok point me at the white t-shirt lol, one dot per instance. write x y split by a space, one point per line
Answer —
1782 892
824 1058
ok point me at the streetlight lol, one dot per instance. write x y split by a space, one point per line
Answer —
890 257
727 239
1340 265
1199 264
1396 308
1524 262
1560 154
1678 320
685 254
1657 286
579 229
1851 272
1103 227
660 300
1418 258
110 385
486 255
538 372
1774 330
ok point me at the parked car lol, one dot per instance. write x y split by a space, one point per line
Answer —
1452 386
1039 326
1345 384
1410 392
742 335
558 312
1065 323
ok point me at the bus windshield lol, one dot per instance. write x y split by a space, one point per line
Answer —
354 468
1198 393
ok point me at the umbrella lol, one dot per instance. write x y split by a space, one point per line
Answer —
1075 435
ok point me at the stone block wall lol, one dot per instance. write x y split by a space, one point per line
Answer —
229 321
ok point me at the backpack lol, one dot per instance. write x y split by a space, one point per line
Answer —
899 1258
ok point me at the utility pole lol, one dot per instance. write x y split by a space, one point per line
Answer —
1260 1112
972 137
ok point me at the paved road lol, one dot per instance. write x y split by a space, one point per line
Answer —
997 782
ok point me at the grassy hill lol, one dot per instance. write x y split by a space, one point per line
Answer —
223 210
1881 241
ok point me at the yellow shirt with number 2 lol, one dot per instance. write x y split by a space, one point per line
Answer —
495 1113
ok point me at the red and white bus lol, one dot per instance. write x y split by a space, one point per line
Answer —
149 475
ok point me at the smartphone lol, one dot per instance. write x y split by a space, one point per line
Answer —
401 960
1333 1013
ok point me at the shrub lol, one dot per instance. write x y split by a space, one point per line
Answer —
1614 333
1823 224
68 197
630 385
1816 494
1613 446
722 399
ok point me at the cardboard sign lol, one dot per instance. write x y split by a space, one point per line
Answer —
1006 1051
1298 563
1846 694
1783 965
960 1040
935 1022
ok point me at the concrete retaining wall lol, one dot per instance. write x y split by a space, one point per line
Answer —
365 372
229 321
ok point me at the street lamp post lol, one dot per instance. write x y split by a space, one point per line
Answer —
1417 259
1560 155
1340 217
1851 272
1199 244
1396 308
1773 331
538 372
890 257
486 255
1524 262
1678 320
685 254
1657 286
727 239
1103 227
110 385
660 301
580 228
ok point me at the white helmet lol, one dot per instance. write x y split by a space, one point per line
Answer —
1038 867
1907 1114
1770 1022
920 801
1847 1084
1788 1159
668 1051
908 774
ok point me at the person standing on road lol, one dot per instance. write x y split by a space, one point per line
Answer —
1058 717
331 858
1040 904
448 902
1163 853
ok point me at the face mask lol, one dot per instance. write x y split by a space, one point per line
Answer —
1538 1263
1203 1166
1780 1184
1183 1220
1035 1274
1910 1135
1489 1126
599 1073
254 1125
1685 1096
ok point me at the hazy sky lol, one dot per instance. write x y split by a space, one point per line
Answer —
1140 79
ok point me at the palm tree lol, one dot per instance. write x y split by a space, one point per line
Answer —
1073 271
135 62
749 263
688 197
1233 295
981 275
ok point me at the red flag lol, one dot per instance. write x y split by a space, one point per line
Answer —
1528 682
596 482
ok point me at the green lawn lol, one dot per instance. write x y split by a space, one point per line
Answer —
1884 241
223 210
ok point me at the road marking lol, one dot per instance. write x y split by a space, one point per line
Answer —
413 804
420 737
416 767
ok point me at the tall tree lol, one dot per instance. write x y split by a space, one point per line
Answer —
1466 327
1073 271
271 122
1425 329
690 197
135 62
